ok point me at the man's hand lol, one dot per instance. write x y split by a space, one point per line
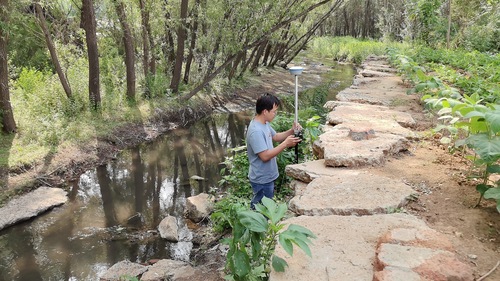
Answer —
296 127
291 141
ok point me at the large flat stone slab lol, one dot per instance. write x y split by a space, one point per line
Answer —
378 126
345 112
308 171
349 192
361 95
344 248
340 149
31 205
429 264
381 87
378 67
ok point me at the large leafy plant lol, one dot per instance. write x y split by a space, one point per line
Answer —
469 122
254 238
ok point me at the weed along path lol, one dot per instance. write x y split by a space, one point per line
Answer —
354 196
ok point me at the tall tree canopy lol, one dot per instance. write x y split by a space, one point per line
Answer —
140 49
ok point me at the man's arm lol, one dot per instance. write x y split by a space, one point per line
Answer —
279 137
288 141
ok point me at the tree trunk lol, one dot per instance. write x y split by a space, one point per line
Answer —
192 44
128 42
8 123
179 57
246 63
449 26
52 50
260 51
366 23
89 25
168 46
235 65
145 39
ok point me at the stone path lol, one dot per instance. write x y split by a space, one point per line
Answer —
361 236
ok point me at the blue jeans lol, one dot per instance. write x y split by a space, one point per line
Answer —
261 190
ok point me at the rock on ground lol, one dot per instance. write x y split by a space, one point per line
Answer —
31 205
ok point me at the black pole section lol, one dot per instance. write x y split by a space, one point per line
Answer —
297 154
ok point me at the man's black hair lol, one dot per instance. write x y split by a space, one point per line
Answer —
266 101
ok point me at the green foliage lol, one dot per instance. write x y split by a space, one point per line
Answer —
467 119
235 173
226 210
345 48
254 238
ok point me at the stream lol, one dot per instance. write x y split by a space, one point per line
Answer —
113 210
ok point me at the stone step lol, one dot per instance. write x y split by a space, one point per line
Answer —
350 192
344 248
346 112
342 147
308 171
354 248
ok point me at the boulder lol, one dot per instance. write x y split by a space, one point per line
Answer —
31 205
122 269
167 269
169 229
199 207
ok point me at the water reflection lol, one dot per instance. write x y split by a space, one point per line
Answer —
114 210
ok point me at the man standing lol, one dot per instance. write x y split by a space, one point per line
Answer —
261 152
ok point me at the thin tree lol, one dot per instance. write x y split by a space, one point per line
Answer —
229 59
448 31
168 46
192 44
89 25
145 36
52 50
179 57
128 42
8 122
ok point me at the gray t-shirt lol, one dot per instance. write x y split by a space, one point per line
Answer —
260 138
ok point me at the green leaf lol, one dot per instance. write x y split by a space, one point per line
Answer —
493 118
259 271
275 212
493 169
256 244
488 149
279 264
482 188
492 193
303 245
474 113
301 229
286 243
478 125
241 263
253 221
